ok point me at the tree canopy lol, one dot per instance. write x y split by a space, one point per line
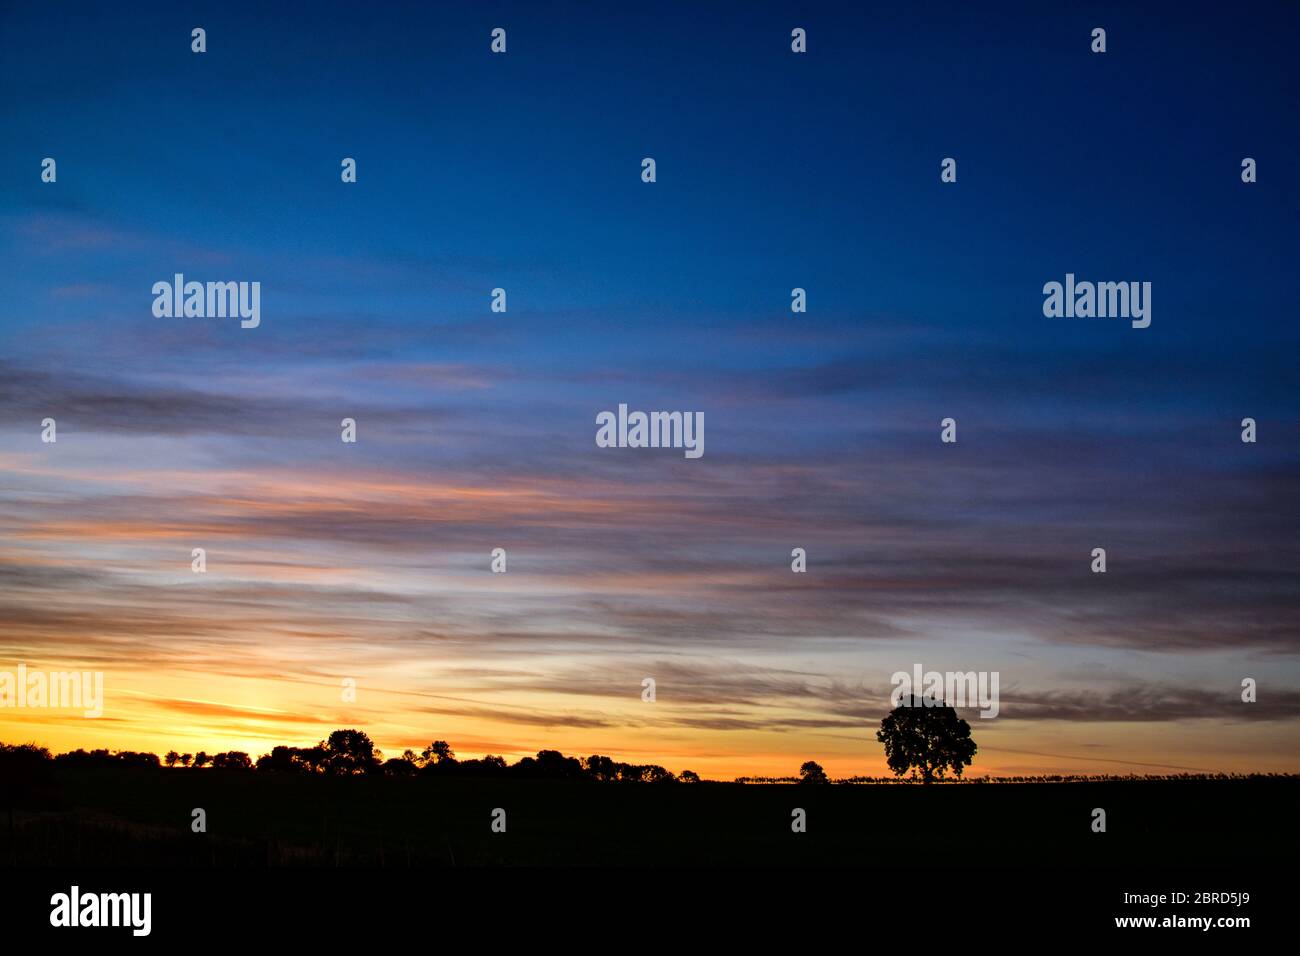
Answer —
926 737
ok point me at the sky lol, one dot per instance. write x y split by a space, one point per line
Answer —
370 562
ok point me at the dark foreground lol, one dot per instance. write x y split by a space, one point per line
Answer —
321 859
133 817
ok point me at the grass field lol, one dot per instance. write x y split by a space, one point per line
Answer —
112 816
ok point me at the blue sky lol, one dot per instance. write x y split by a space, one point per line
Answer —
774 171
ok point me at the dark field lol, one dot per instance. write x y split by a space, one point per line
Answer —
132 817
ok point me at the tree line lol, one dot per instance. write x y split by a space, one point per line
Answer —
923 738
351 752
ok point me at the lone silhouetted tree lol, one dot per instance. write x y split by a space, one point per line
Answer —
172 758
812 772
927 737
